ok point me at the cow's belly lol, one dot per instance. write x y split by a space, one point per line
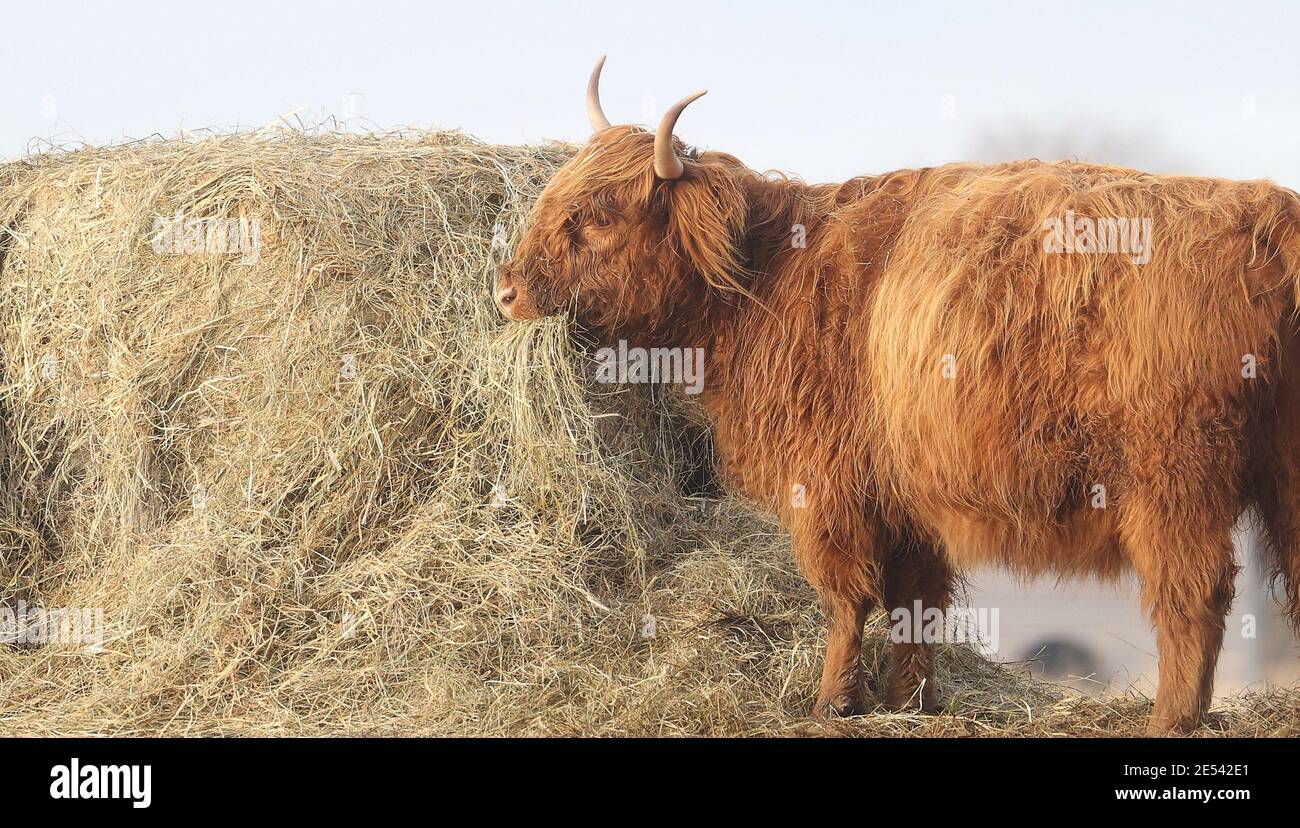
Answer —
1007 486
1083 544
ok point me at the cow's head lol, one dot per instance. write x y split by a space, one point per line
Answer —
634 236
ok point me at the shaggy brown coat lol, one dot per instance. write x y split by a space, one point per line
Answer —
903 369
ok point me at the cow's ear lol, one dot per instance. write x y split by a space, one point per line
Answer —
706 220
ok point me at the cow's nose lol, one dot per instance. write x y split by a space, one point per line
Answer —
506 297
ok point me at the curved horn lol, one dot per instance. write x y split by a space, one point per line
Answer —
594 113
667 165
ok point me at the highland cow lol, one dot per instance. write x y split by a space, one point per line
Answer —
946 383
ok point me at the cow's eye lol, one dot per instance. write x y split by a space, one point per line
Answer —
601 220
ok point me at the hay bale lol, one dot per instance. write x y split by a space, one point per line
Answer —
323 489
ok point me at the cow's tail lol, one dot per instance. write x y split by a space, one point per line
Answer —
1277 250
1280 232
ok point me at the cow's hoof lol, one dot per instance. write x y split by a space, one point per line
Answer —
907 693
913 702
911 706
837 707
1171 726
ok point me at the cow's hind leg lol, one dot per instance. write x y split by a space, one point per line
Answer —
838 559
917 577
1185 560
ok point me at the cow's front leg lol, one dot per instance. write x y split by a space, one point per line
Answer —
917 577
838 558
840 693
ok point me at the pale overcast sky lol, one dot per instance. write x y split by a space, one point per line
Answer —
824 90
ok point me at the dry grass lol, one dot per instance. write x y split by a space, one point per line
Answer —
460 536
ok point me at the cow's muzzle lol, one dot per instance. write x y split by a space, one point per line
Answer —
506 297
512 300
